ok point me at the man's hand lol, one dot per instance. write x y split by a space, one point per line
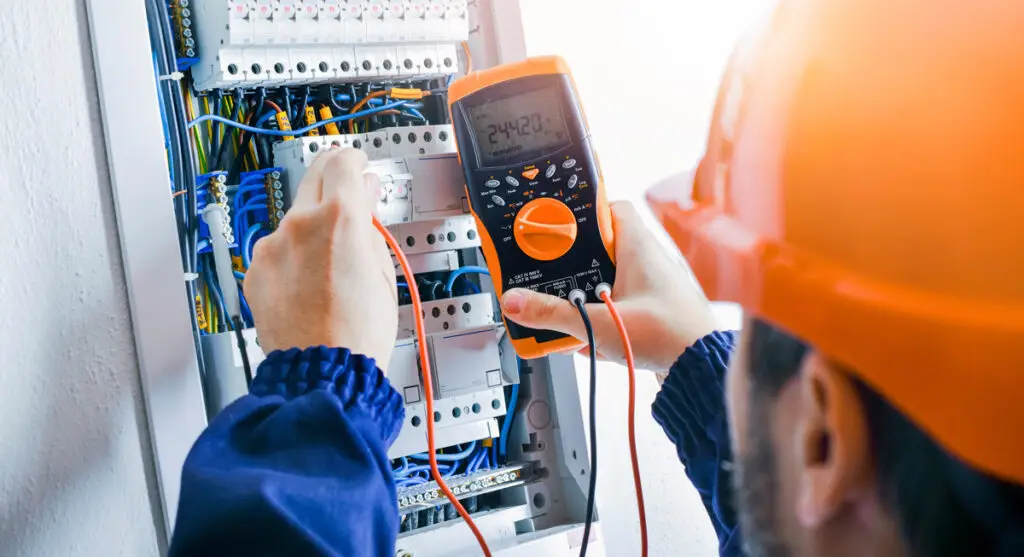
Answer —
662 307
325 276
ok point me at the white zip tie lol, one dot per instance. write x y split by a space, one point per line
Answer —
175 76
189 277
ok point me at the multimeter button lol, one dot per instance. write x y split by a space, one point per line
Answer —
498 201
550 171
573 180
492 184
511 180
545 229
569 163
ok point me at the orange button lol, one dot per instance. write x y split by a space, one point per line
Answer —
531 174
545 229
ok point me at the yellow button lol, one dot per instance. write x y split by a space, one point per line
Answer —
531 174
545 229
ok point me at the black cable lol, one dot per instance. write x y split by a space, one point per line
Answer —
221 161
240 340
286 95
593 424
243 146
218 104
302 111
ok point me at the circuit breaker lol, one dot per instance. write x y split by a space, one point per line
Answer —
251 92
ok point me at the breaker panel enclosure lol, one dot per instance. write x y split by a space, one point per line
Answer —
271 85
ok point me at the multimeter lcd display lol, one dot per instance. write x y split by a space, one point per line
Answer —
528 123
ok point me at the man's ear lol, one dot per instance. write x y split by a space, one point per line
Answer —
831 444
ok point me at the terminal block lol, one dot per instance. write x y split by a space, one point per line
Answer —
212 188
184 34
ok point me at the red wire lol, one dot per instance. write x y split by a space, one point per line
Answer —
631 366
428 388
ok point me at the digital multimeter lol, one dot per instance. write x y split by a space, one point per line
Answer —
534 185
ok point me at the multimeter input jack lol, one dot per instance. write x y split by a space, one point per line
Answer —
577 297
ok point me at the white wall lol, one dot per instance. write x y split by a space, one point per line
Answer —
73 446
644 130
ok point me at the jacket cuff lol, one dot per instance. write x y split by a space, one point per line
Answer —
691 404
355 379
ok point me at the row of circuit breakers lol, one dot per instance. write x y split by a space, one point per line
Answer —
276 42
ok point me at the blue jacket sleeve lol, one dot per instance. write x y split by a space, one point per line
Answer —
297 467
691 410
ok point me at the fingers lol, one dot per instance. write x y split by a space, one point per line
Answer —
347 185
629 225
541 311
337 175
310 189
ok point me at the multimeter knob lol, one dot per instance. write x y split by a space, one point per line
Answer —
545 229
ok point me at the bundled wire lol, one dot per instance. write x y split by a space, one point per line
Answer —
181 158
299 131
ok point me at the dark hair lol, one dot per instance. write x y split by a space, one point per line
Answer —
943 506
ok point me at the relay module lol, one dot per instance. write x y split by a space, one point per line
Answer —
246 94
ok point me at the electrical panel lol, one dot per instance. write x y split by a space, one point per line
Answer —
251 93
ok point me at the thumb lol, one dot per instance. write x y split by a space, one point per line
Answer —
541 311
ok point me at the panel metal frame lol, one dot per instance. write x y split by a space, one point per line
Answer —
159 305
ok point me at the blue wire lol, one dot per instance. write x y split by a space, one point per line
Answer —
402 285
474 465
415 113
246 312
203 244
510 414
473 289
247 244
409 482
236 205
422 468
300 131
239 275
448 457
242 190
252 205
461 271
209 276
265 118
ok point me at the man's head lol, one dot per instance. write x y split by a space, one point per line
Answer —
826 466
861 197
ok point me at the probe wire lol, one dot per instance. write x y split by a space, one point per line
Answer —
428 389
631 367
592 489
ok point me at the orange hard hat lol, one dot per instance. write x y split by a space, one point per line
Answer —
863 188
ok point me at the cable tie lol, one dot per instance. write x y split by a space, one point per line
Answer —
175 76
189 277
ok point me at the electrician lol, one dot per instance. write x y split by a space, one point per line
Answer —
861 197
